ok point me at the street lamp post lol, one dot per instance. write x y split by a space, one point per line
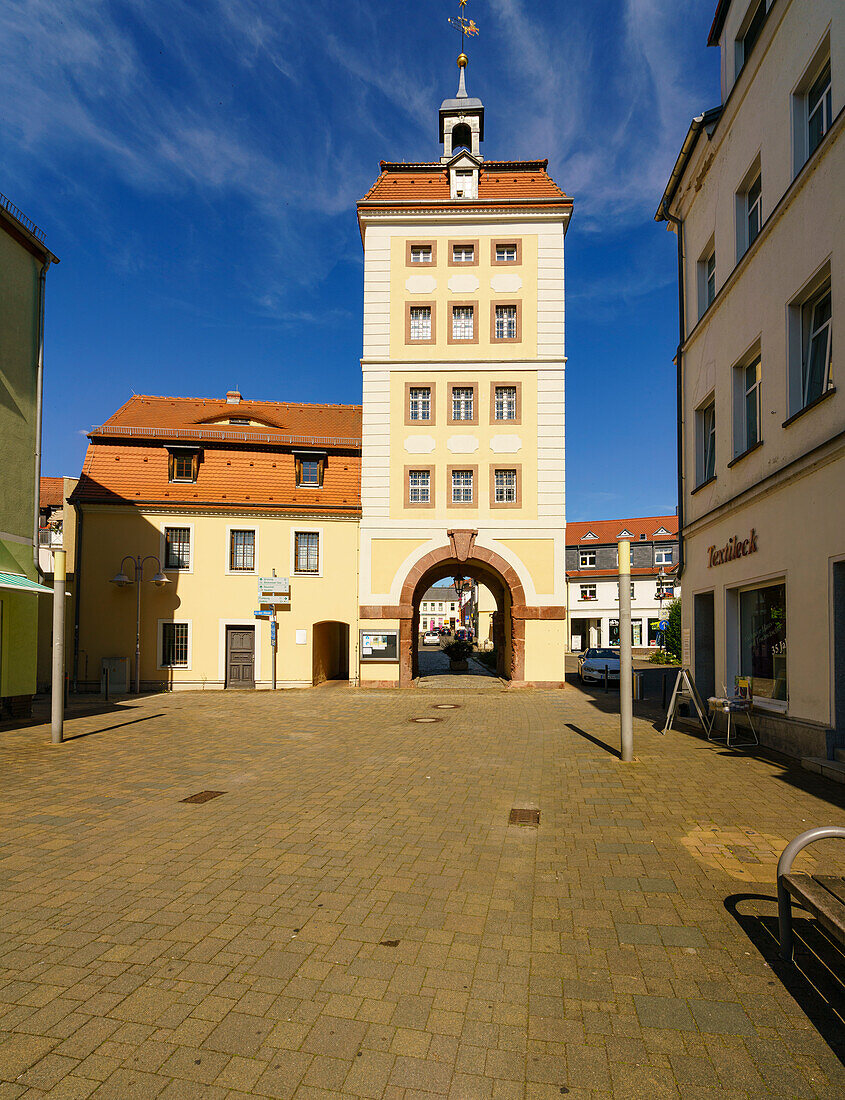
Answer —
122 581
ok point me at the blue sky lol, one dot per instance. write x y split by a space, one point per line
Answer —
195 166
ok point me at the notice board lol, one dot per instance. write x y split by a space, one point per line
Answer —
379 646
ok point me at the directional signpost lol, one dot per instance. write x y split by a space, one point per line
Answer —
273 592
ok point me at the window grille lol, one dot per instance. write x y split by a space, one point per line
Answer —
177 548
462 486
463 327
505 400
505 486
307 551
420 322
174 645
419 486
242 551
505 322
462 401
420 403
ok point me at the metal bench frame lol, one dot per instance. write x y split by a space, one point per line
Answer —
821 832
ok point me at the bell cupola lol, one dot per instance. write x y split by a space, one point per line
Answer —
461 120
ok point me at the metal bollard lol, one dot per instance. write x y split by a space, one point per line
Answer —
605 679
107 684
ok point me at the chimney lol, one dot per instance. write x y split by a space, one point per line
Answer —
233 397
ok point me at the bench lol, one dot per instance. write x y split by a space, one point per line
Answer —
822 895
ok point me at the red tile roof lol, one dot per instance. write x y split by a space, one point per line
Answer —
609 530
251 469
52 492
522 182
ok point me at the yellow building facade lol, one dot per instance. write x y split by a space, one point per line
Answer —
463 397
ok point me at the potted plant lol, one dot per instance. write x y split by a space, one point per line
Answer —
457 652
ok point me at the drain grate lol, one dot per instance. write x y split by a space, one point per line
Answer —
202 796
447 706
524 817
426 720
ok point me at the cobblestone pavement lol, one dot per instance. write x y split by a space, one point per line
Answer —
354 916
434 668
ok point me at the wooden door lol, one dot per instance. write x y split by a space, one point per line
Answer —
240 657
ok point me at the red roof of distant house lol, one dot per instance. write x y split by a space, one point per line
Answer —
610 530
52 492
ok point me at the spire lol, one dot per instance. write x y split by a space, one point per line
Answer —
462 118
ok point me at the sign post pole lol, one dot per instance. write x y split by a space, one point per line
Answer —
274 640
57 702
626 718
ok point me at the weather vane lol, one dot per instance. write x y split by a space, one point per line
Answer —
466 26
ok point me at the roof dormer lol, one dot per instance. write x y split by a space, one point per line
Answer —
463 171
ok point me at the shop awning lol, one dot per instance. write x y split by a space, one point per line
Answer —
22 584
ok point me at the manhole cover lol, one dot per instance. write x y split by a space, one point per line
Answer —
524 817
426 719
202 796
447 706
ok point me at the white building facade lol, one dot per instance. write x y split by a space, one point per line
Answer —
591 575
757 198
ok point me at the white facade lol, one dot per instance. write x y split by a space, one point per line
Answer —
594 612
759 191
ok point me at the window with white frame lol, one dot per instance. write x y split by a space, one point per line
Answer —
505 402
463 323
752 25
819 109
706 278
420 253
586 559
177 548
462 486
464 183
506 253
705 442
507 327
242 551
419 403
174 645
588 592
419 486
617 590
663 555
504 485
420 327
747 405
749 211
462 402
306 551
816 326
463 253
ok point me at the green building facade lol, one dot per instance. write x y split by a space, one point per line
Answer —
24 260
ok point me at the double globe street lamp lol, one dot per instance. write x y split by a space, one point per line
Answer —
123 581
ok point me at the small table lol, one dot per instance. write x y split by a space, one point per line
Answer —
732 706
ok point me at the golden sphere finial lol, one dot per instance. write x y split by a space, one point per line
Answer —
462 61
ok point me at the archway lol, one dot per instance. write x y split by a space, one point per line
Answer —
463 558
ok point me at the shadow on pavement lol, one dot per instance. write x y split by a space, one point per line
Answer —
105 729
815 979
595 740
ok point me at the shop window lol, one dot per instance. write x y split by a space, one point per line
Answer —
762 641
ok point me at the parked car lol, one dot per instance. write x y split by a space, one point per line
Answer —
431 637
592 662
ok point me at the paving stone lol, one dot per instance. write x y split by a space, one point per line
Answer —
356 918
